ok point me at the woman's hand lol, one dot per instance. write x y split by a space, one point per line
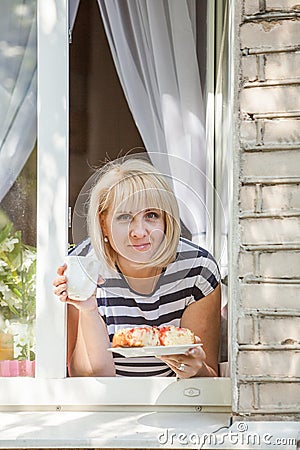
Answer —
61 290
88 339
188 364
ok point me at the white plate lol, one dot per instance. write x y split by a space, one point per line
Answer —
131 352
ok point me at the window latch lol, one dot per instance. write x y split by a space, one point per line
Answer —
191 392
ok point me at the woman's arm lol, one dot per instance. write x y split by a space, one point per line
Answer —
88 339
203 317
87 354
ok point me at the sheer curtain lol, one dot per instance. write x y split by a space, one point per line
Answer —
153 45
17 88
73 9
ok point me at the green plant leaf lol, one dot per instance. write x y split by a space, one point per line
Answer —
5 232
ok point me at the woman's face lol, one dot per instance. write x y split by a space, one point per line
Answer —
135 235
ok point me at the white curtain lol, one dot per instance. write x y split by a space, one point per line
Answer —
153 45
17 88
73 9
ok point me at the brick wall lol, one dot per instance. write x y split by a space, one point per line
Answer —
267 317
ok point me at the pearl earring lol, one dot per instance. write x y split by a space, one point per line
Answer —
106 239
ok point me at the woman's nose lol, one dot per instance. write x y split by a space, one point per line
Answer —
137 228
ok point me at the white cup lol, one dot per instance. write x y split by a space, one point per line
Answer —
82 274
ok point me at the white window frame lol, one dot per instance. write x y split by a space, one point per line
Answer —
50 389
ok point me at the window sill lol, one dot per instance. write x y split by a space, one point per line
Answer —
141 430
103 429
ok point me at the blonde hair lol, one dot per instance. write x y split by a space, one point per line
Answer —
133 180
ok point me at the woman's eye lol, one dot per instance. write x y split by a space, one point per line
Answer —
124 217
152 215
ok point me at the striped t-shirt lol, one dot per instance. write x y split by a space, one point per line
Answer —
193 275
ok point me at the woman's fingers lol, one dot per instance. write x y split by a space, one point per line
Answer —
197 340
60 289
63 297
61 269
182 370
196 352
60 284
188 364
59 280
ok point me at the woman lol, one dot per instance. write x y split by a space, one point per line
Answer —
151 276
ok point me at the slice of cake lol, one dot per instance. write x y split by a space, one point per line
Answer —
153 336
136 337
171 335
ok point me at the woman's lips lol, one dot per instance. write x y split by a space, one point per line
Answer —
141 247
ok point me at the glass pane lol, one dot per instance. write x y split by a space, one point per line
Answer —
17 186
17 274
